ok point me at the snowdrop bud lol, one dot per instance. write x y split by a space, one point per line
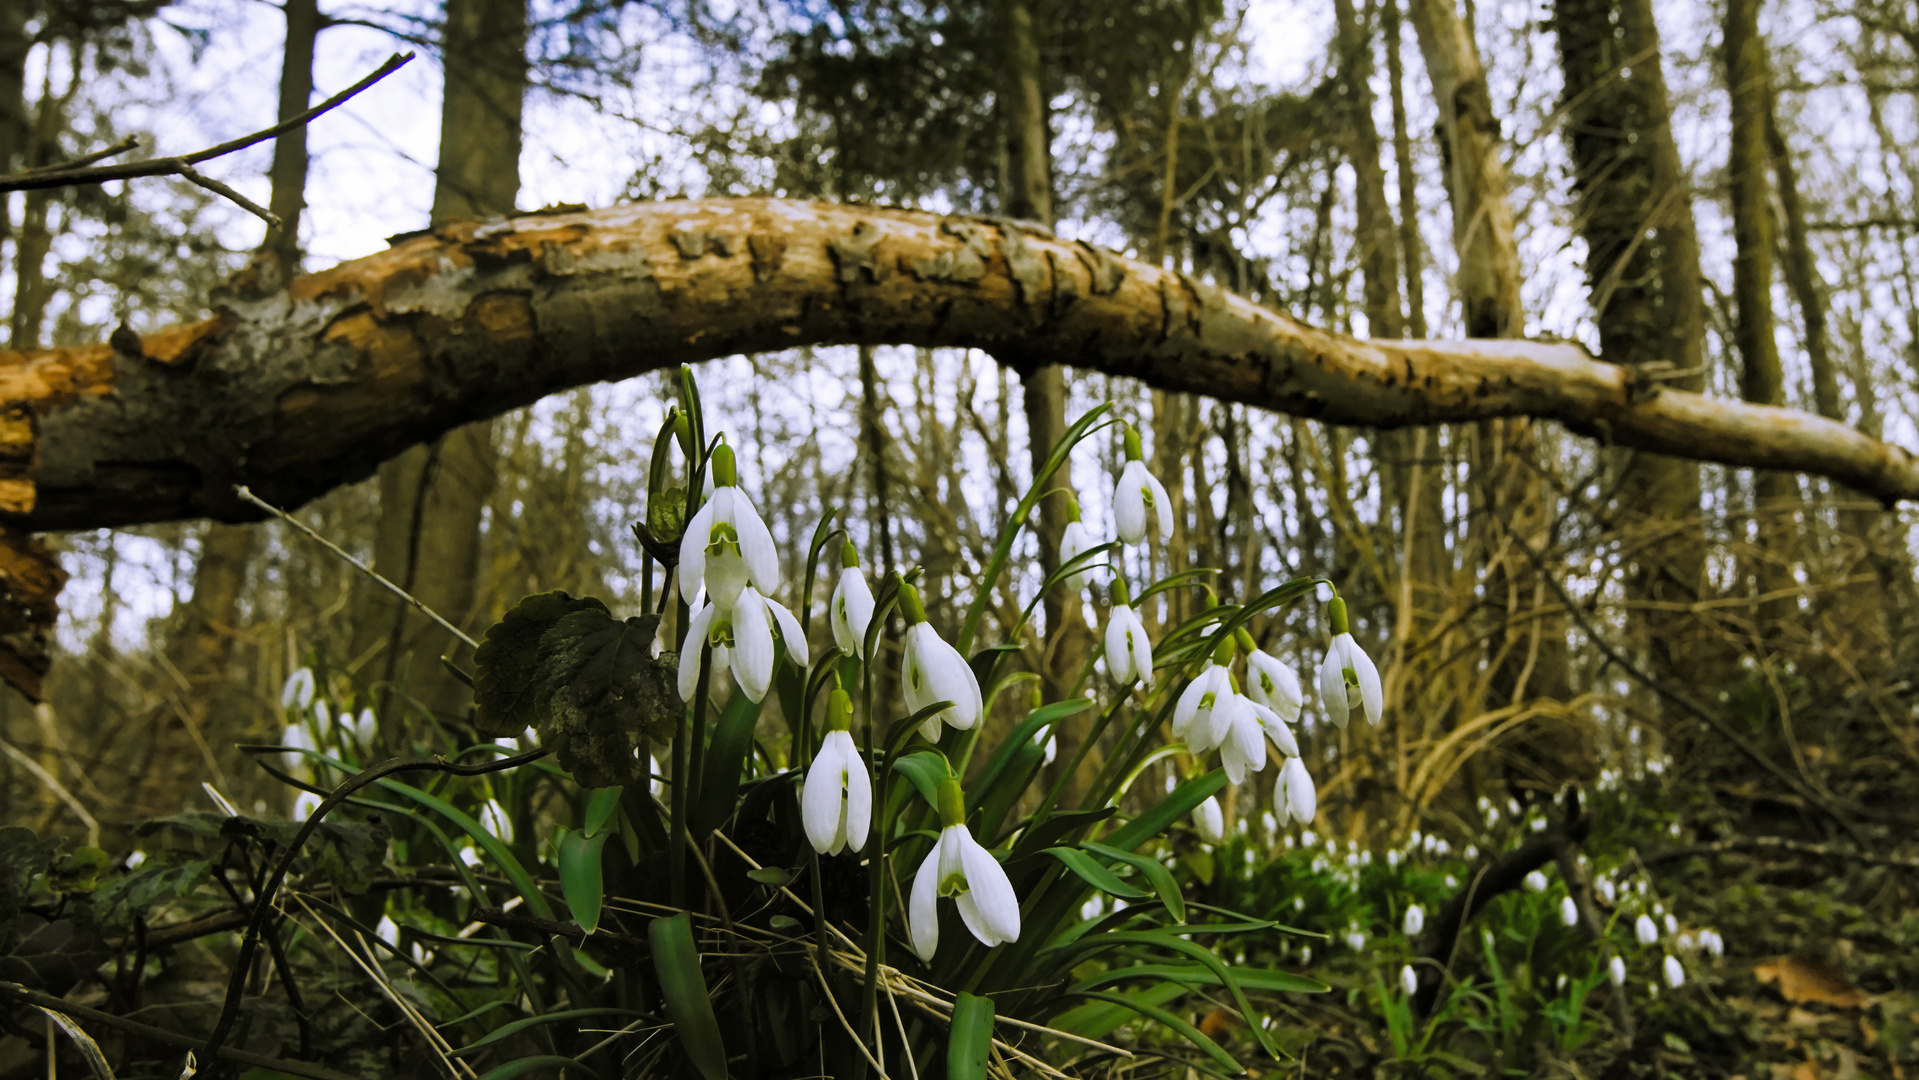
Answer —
1355 940
1535 882
1645 931
1714 945
933 671
852 605
1408 980
1604 887
1137 492
1348 677
1129 653
388 930
1295 796
1414 922
1616 971
1568 911
1210 821
298 692
366 726
304 804
1672 924
1674 972
836 806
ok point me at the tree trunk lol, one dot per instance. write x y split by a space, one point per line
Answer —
31 290
432 497
14 46
1378 247
289 170
1646 295
1761 378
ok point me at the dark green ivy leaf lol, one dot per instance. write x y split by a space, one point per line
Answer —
600 690
509 662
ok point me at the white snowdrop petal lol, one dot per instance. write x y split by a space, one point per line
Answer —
820 801
859 795
697 628
923 906
693 549
752 645
987 883
792 634
1332 689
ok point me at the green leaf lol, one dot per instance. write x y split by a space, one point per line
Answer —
1201 953
1022 735
529 1064
725 757
1049 830
1193 1035
1092 873
1098 1019
601 690
580 880
507 1031
601 805
683 986
925 769
971 1044
1198 975
23 856
1175 806
770 875
89 1050
509 662
1160 878
495 850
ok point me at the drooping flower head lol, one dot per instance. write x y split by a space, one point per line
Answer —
1273 684
741 634
1348 677
933 671
1137 492
837 805
852 606
1129 653
1210 821
1415 920
1193 714
1295 796
727 547
1075 541
962 869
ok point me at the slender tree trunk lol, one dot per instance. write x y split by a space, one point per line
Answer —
14 46
1378 246
432 498
289 171
1642 267
1410 249
1762 378
32 291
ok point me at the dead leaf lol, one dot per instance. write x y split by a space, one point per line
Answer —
1805 1070
1216 1022
1805 981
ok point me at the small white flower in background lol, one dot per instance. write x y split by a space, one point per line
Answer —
388 930
471 856
1408 980
1568 911
1305 954
1714 945
1616 971
960 868
1093 908
1414 922
1672 924
135 858
494 819
1129 653
1559 983
741 635
1684 941
933 671
366 726
727 547
1075 541
1347 676
304 804
1210 821
852 605
1273 684
837 803
1645 931
1535 882
1392 859
298 692
1355 940
1675 973
1604 887
322 716
1295 796
1137 492
296 738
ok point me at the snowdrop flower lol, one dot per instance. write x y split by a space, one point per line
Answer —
933 671
296 738
1672 924
1295 795
1645 931
388 930
1210 821
304 805
298 692
960 868
837 804
1535 882
1273 684
1077 540
1137 492
1604 886
1129 654
1347 676
1568 911
494 819
365 726
1714 945
1242 745
741 635
1675 973
852 605
1193 714
322 715
727 547
1414 922
1408 980
135 858
1355 940
1616 971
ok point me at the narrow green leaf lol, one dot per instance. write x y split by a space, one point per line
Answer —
1161 878
770 875
1098 1019
1022 735
1193 1035
507 1031
1161 814
1092 873
580 880
725 757
1195 974
971 1045
925 769
1198 952
601 804
526 1065
1054 827
495 850
683 986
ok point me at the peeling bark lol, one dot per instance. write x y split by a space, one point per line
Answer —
314 387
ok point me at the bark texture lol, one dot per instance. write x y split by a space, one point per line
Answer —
289 172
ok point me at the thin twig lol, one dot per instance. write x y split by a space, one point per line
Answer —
246 494
180 165
60 790
198 178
